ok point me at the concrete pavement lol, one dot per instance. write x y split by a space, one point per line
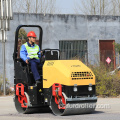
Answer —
107 109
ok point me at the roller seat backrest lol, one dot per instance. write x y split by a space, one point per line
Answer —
51 54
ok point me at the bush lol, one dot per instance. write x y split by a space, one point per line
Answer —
1 86
106 84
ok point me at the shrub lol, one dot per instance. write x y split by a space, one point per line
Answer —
106 84
1 86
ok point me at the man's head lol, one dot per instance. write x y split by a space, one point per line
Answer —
32 37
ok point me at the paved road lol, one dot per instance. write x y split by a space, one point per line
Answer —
107 109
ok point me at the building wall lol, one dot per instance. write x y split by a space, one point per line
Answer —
64 27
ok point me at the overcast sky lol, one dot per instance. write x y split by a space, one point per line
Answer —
65 6
61 6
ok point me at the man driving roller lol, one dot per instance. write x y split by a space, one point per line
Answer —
29 53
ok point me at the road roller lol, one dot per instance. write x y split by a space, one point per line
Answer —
67 87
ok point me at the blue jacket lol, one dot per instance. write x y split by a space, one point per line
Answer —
23 52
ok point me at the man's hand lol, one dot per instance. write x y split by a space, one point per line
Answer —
41 52
27 61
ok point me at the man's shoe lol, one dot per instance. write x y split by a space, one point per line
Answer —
37 82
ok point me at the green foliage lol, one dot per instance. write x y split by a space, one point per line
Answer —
106 84
117 47
22 34
1 85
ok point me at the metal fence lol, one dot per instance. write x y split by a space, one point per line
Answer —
74 49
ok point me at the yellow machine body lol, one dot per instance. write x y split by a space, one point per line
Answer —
66 72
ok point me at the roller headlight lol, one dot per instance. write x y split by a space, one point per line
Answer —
90 87
75 88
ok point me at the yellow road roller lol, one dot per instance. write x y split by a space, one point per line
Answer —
68 86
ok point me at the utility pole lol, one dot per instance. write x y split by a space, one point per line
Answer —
5 16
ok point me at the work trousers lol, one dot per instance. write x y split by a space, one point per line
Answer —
34 63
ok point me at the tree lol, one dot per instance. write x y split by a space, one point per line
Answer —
117 50
34 6
22 34
98 7
117 47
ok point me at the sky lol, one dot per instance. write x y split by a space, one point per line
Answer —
65 6
61 6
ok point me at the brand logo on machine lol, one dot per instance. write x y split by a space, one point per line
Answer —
75 66
50 63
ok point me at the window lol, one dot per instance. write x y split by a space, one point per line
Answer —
75 49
